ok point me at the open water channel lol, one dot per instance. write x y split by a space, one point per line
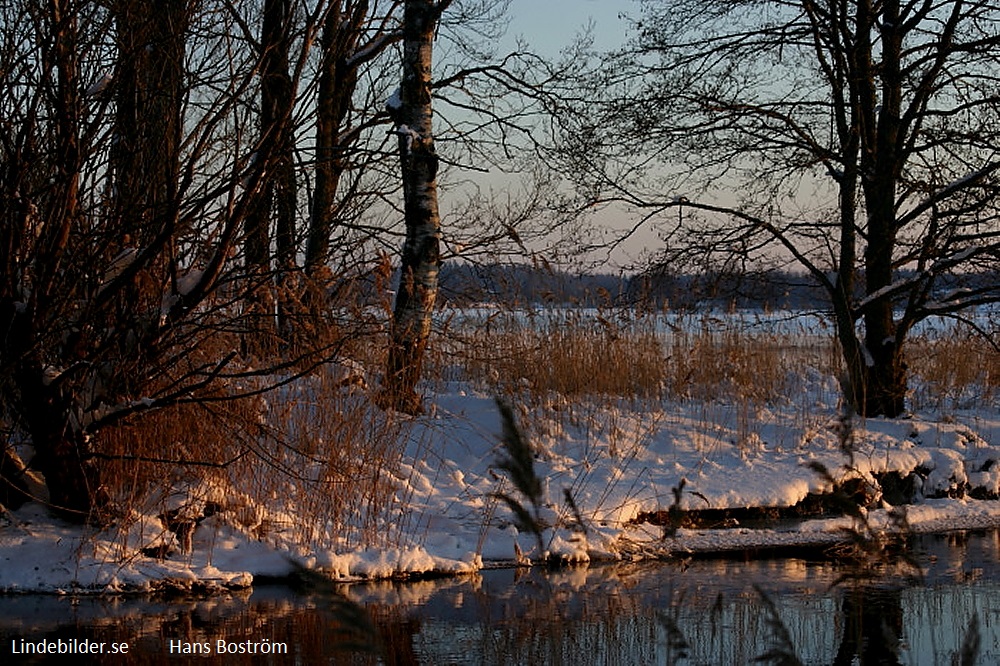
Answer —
693 612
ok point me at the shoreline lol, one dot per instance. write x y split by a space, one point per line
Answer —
812 540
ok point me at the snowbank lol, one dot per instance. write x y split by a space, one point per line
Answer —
618 461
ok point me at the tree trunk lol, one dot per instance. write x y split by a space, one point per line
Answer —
45 406
418 284
150 87
61 449
842 296
278 140
275 178
337 83
884 386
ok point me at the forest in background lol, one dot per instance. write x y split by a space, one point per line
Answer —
655 288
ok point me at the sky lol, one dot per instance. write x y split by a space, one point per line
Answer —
549 25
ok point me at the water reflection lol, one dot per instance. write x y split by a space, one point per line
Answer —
873 626
700 612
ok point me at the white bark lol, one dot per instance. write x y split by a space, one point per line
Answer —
421 259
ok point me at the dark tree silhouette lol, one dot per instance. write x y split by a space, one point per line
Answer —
856 140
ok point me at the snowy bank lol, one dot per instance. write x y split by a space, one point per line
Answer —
618 460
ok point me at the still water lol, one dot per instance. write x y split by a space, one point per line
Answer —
694 612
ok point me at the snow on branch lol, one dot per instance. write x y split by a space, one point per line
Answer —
373 48
905 283
891 289
947 191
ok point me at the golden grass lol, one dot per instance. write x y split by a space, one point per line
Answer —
569 355
316 449
320 448
619 354
622 354
957 370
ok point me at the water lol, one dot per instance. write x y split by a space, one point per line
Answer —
695 612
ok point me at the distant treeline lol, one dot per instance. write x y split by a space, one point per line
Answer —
525 284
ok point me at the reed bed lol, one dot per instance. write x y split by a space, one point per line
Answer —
620 353
957 370
313 462
319 447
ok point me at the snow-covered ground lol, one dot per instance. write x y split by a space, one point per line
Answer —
617 459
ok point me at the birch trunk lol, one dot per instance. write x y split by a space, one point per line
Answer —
418 285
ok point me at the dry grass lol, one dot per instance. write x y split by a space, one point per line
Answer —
285 425
565 353
314 452
332 458
300 439
959 370
622 354
320 451
716 364
617 354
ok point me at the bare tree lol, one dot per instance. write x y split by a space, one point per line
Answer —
36 241
355 35
275 146
495 106
857 140
146 195
124 212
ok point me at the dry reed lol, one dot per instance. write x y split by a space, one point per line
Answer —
958 370
321 452
626 355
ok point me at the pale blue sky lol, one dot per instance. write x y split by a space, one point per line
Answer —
550 25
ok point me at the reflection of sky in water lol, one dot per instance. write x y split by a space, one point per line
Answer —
612 616
598 615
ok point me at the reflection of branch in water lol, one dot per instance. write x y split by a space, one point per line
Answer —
970 645
397 631
677 645
352 630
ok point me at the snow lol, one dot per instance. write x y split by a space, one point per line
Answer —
373 48
43 555
121 261
890 289
187 282
51 373
395 101
869 359
408 133
618 459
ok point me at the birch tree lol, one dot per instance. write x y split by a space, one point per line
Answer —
145 194
413 120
